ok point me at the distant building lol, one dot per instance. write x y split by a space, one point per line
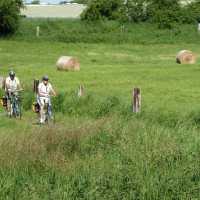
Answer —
53 11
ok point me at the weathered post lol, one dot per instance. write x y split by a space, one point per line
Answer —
80 91
198 27
2 82
37 31
122 28
35 86
136 100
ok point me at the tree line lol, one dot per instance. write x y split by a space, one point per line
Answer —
164 13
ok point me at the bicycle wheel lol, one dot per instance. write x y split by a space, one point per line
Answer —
50 115
10 108
18 110
10 111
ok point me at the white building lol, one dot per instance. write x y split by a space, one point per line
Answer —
53 11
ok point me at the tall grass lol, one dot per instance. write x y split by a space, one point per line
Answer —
98 148
76 31
111 154
93 106
109 158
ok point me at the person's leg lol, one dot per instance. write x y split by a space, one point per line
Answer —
42 111
8 107
50 109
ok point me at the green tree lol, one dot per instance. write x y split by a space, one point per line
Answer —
136 10
191 12
9 16
166 13
35 2
103 9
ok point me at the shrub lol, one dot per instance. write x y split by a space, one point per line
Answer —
191 12
58 102
88 105
165 13
9 16
106 106
102 9
136 10
27 100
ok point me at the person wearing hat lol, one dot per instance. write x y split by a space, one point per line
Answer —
12 87
12 83
45 90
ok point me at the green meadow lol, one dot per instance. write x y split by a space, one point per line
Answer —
98 148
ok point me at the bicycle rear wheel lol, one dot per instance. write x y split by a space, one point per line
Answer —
50 116
9 109
17 109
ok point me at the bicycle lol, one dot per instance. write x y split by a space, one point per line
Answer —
14 105
49 116
48 113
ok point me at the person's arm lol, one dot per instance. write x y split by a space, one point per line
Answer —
7 85
39 90
18 85
52 91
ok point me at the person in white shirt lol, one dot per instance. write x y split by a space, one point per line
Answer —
45 90
12 84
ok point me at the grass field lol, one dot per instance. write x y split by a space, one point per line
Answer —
98 149
112 32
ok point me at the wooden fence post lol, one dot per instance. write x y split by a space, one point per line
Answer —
37 31
81 91
2 82
35 85
122 28
198 27
136 100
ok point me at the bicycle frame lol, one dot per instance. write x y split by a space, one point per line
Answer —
48 111
15 106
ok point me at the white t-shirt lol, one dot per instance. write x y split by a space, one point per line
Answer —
44 90
12 85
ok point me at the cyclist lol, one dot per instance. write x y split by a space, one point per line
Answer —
45 90
12 83
12 86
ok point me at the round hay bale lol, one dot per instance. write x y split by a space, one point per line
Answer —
185 57
67 63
